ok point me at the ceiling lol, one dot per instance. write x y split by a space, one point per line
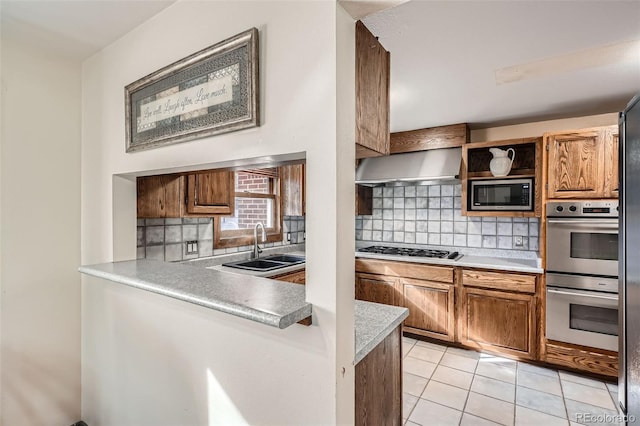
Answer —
74 29
481 62
490 63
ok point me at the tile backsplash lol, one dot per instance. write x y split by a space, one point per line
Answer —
166 239
431 215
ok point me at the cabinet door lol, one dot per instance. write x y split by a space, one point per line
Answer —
159 196
211 193
611 179
498 321
292 188
378 289
576 164
297 277
431 308
372 95
364 200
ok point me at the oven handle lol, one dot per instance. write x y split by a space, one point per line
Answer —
592 223
571 293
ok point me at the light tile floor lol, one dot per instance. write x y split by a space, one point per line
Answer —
452 386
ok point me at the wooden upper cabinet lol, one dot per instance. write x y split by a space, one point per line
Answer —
159 196
612 177
292 181
372 95
202 194
211 193
583 163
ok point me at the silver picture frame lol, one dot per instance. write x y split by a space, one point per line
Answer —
213 91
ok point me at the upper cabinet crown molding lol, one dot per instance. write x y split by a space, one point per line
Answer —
372 95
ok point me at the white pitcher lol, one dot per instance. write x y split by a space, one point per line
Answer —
500 165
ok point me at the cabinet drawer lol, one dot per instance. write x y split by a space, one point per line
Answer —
405 270
499 280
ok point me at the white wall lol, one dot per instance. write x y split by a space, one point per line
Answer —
538 128
151 360
40 237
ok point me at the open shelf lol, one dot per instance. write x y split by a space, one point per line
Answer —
527 164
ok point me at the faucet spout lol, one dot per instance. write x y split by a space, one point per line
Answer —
256 248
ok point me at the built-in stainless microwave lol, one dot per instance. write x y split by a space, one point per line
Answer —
502 194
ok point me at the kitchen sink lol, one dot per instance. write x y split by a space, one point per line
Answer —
268 263
286 258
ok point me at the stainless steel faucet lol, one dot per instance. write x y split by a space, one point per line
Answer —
256 249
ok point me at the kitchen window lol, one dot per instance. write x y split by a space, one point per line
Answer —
257 199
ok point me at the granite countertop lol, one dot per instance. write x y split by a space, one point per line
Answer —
275 303
373 323
472 261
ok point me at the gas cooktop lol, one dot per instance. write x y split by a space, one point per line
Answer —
413 252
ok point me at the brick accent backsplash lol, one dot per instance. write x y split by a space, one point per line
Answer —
431 215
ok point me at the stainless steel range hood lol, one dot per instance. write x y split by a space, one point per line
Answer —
433 164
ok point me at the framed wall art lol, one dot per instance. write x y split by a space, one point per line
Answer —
213 91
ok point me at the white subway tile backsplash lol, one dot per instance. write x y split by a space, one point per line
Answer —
488 228
474 240
505 228
460 240
521 229
446 190
505 242
430 214
488 241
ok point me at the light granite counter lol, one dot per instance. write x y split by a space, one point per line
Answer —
373 323
275 303
486 262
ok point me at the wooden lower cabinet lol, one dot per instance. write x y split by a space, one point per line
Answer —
297 277
498 321
431 308
378 393
377 289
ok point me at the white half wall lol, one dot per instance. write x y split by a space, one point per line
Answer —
39 237
148 360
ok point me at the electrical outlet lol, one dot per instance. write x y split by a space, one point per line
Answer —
517 241
191 247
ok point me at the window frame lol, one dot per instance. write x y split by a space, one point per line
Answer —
244 237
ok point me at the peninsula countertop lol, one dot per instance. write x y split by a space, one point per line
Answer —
275 303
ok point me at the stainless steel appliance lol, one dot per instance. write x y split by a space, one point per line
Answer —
582 268
411 252
502 194
629 343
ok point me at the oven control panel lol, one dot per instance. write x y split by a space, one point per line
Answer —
582 208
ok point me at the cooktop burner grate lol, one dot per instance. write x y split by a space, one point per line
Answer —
401 251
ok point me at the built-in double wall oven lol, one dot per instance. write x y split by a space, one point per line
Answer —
582 273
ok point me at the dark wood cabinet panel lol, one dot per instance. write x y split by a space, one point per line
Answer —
378 384
431 308
159 196
498 321
292 181
372 95
378 289
211 193
364 200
